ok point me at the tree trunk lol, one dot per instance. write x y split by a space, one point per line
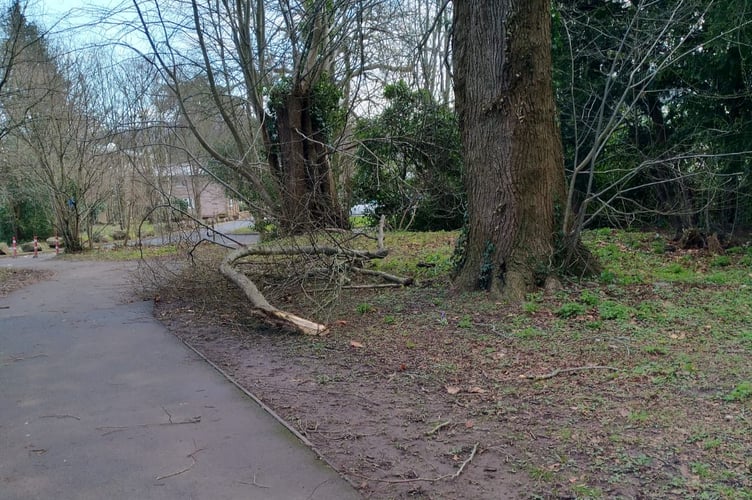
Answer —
512 147
309 194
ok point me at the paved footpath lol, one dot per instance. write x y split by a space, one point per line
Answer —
99 401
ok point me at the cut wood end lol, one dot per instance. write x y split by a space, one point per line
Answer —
303 325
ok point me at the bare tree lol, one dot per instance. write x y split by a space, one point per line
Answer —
275 73
59 121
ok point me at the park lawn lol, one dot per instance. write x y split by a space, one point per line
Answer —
637 381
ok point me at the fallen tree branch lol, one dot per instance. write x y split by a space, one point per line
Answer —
257 299
388 277
267 310
560 371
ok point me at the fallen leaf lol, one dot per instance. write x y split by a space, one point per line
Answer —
356 344
451 389
477 390
340 322
469 424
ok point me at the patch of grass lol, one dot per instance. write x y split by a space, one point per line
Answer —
529 333
639 416
655 350
613 310
721 261
530 307
710 444
746 339
570 310
123 253
364 308
244 230
700 470
590 298
586 492
658 246
421 255
608 277
741 392
465 322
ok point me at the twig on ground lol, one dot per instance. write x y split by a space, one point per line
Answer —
560 371
112 429
438 428
254 483
192 456
426 479
467 461
22 358
61 416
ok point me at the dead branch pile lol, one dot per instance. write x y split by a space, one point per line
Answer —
313 270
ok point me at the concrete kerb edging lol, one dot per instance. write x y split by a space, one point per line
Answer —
271 412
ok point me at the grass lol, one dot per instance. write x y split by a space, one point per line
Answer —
123 253
674 327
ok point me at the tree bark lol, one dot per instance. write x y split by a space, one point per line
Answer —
309 197
511 143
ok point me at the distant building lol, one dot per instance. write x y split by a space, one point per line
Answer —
204 197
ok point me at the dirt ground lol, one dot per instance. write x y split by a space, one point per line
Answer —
423 393
12 279
393 432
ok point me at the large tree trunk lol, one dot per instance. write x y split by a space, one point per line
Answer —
309 196
512 147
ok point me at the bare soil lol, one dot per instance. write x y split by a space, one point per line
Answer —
393 430
12 279
422 393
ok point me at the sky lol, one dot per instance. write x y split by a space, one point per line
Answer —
76 23
50 12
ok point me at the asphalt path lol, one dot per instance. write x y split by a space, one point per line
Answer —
99 401
221 233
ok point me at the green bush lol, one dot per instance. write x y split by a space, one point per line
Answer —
27 219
